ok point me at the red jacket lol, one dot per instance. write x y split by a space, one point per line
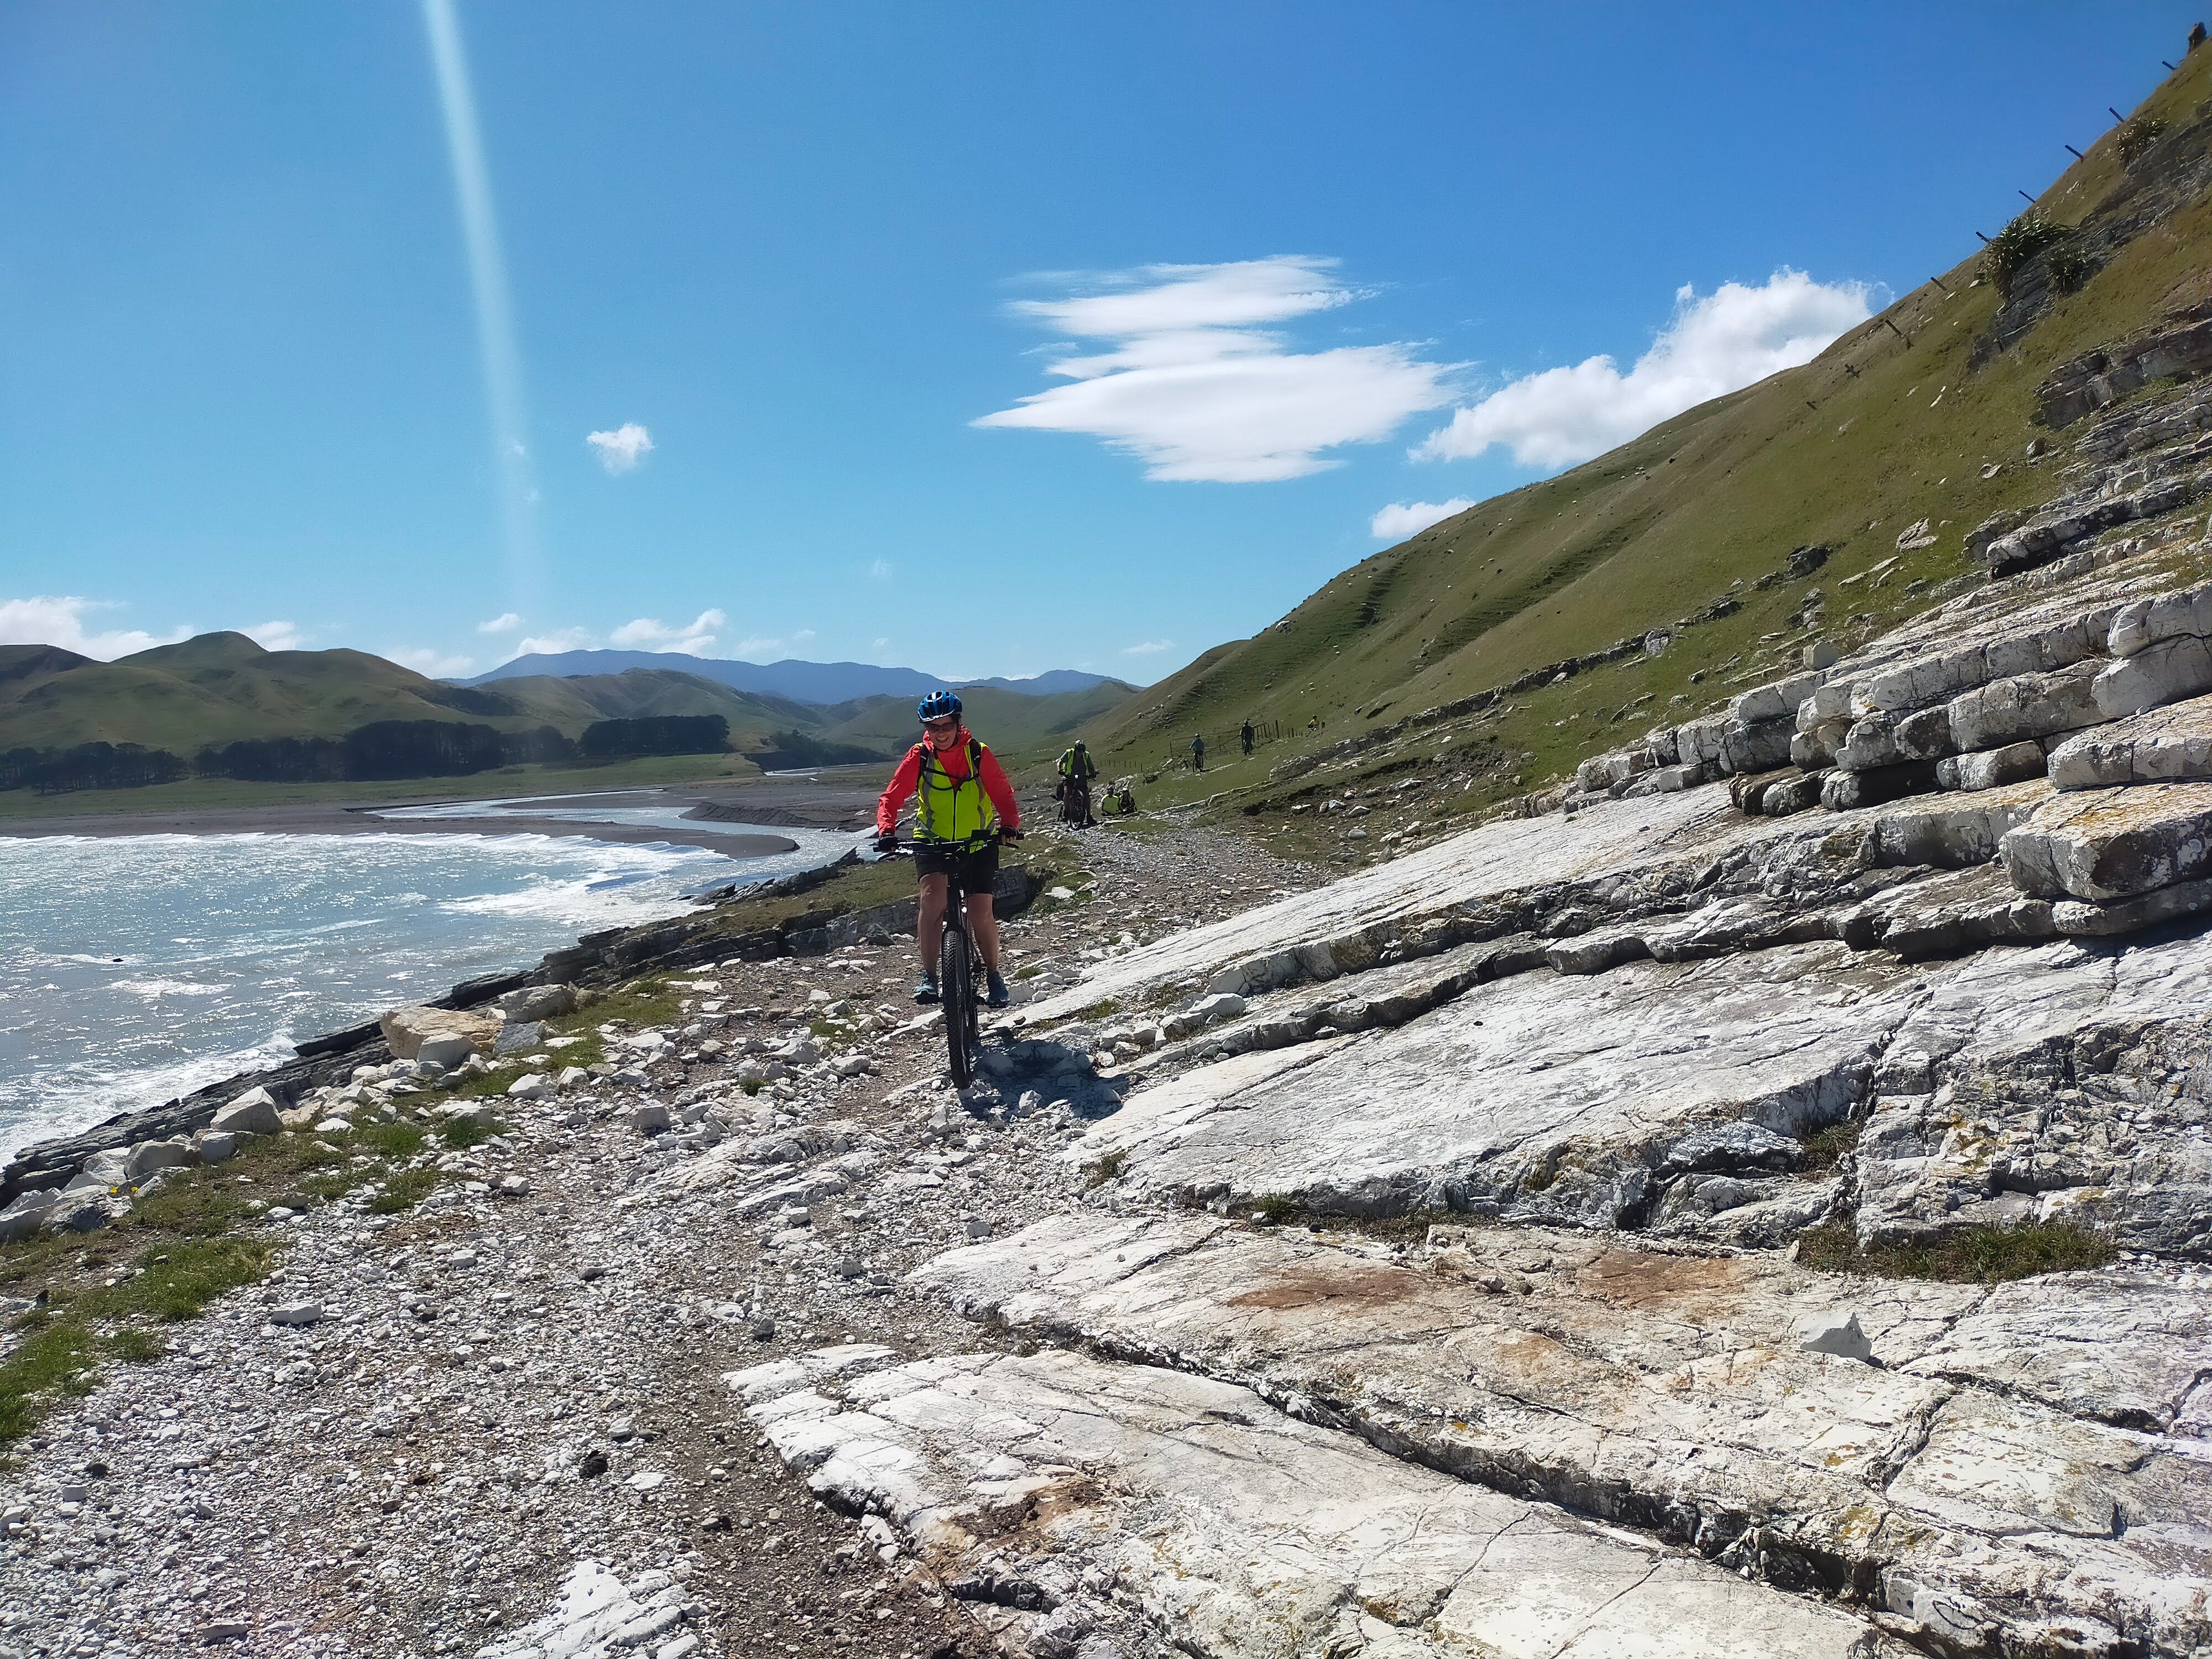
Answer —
953 762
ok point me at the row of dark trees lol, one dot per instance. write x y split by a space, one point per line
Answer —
382 750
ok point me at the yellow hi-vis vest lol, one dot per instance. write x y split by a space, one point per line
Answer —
954 809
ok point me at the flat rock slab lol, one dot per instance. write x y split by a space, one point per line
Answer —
1092 1491
1544 1097
2066 1083
1952 1480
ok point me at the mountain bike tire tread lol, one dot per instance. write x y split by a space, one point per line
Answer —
956 983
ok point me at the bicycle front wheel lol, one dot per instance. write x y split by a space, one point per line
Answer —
955 980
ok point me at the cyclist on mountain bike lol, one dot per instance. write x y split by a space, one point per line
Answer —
965 808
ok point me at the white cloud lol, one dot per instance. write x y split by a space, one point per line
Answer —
277 635
437 664
1402 518
61 621
553 644
1191 386
1729 339
622 449
506 622
1148 648
649 633
881 570
802 637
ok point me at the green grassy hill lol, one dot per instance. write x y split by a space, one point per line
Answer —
1922 413
1015 725
219 688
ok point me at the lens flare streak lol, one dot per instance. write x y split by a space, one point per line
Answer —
503 361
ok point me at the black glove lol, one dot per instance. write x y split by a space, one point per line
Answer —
1007 834
887 844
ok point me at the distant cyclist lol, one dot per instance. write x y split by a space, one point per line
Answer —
1247 734
965 807
1077 769
1198 754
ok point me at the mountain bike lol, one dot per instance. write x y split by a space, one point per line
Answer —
1075 801
958 976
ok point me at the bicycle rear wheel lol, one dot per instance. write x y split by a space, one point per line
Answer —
957 983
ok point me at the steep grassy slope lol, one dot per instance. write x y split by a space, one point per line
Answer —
1890 425
1014 724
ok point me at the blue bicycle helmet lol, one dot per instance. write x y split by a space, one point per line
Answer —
937 705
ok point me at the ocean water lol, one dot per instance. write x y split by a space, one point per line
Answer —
133 969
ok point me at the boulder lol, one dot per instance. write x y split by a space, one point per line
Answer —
444 1052
2101 844
1991 768
253 1113
2025 706
533 1085
2165 672
2170 744
82 1211
650 1118
405 1030
519 1038
150 1156
27 1213
1952 833
217 1145
533 1003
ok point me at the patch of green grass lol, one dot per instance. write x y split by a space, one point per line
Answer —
1824 1148
465 1132
403 1189
1104 1008
1107 1167
134 1344
178 1281
55 1358
1974 1255
1276 1208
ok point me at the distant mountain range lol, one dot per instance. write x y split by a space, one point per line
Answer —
819 683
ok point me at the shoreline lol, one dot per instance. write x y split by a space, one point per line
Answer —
797 803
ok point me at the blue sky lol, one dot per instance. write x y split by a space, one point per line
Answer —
1221 282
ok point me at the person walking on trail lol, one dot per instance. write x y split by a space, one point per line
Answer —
1198 754
1246 735
963 808
1077 769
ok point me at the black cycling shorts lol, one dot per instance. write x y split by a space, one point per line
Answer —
975 869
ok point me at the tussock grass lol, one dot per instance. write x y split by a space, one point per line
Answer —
1974 1255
